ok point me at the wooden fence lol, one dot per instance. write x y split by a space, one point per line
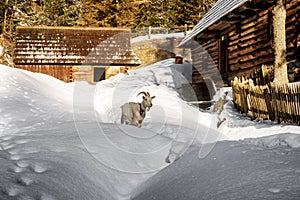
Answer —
275 102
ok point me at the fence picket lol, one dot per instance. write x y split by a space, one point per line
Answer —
276 102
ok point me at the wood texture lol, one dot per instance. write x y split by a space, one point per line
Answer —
250 42
275 102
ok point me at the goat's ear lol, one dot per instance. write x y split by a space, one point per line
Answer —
153 97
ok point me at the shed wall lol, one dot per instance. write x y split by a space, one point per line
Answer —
249 45
61 72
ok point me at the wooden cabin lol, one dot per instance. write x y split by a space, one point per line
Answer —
75 54
235 39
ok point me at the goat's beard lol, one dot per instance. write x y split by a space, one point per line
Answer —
147 109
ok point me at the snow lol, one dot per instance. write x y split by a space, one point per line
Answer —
157 36
232 170
65 141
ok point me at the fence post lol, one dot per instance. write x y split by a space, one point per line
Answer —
268 99
149 33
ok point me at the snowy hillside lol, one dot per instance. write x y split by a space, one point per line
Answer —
65 141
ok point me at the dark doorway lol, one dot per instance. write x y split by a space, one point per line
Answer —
99 74
223 60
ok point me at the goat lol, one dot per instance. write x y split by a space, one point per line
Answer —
134 113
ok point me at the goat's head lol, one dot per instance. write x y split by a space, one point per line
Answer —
147 100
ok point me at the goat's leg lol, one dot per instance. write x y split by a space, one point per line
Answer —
137 124
122 119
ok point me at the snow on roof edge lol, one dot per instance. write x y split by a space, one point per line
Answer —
220 9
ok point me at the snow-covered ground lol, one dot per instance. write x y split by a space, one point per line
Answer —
65 141
157 36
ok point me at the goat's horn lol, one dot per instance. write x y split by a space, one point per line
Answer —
144 93
148 94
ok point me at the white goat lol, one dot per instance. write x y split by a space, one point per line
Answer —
134 113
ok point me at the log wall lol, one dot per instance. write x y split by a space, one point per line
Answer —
249 45
63 73
205 61
69 73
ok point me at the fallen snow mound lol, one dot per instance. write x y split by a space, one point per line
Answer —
65 141
286 139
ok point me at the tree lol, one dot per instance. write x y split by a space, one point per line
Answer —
280 65
33 12
142 13
6 32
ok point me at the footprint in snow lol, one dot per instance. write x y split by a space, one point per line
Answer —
18 169
22 141
5 143
274 190
24 181
12 190
22 163
9 146
6 138
38 168
35 167
12 151
16 157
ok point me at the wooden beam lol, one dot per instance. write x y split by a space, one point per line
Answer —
207 34
243 11
231 19
262 1
258 6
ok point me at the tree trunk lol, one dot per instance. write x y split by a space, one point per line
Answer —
280 65
5 17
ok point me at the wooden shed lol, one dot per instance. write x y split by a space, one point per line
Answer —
236 37
70 54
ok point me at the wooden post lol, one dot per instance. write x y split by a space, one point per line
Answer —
5 17
268 101
280 65
264 72
149 34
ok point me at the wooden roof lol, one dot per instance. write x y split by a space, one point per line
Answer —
69 45
220 9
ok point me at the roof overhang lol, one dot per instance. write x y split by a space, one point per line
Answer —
222 15
219 10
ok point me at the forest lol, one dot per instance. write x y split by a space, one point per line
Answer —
105 13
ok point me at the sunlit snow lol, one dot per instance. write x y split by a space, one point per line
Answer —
65 141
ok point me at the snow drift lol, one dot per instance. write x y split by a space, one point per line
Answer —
65 141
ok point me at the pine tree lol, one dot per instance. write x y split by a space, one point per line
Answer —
143 13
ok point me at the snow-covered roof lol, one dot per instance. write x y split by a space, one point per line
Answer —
69 45
220 9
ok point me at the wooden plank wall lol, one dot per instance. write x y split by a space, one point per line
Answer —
249 45
82 73
68 73
205 60
61 72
